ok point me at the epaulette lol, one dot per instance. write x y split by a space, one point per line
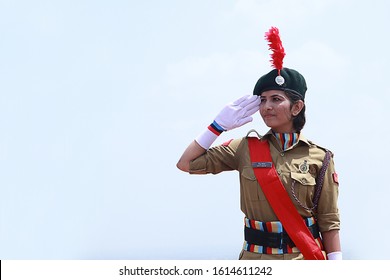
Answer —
320 147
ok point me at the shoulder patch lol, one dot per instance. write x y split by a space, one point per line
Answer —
227 143
335 177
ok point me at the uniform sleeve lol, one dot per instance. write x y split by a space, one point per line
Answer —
328 213
216 159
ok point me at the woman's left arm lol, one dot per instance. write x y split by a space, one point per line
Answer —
331 241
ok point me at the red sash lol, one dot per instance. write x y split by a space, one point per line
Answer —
280 201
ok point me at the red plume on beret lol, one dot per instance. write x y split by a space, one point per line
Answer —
275 45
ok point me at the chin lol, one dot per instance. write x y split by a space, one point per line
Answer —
269 124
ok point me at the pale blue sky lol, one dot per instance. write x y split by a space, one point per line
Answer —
98 99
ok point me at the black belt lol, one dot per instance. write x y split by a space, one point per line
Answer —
274 239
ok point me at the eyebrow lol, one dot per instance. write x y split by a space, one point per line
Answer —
273 95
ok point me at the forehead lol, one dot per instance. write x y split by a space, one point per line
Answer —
273 92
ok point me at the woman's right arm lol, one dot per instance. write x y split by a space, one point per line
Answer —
193 151
233 115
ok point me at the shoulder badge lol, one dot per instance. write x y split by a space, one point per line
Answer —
335 177
227 143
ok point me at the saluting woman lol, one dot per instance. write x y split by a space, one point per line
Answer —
288 184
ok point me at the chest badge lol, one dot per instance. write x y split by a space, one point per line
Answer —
304 167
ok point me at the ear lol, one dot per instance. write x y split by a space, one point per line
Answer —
297 107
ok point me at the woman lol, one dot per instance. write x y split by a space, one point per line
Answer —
279 97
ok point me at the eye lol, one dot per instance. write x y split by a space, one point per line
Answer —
277 99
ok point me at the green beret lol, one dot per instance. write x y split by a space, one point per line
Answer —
292 81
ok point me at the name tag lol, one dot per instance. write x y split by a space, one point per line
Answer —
262 164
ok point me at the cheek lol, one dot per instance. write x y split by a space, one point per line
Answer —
284 111
287 113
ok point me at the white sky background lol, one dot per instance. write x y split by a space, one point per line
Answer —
98 99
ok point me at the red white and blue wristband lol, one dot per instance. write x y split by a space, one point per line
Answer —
216 128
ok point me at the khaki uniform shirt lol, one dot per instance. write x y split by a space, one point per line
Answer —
235 156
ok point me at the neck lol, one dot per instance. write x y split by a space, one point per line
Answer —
286 128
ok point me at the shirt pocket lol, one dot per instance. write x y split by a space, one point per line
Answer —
250 187
303 185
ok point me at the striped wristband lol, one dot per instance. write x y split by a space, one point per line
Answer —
207 138
216 128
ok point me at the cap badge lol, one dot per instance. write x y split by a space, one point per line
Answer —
279 80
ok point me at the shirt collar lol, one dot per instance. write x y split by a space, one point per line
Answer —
269 135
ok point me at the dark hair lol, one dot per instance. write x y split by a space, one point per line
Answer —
300 119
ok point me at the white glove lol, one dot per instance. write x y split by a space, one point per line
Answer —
239 112
233 115
335 256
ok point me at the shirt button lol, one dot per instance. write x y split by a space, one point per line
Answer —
282 154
